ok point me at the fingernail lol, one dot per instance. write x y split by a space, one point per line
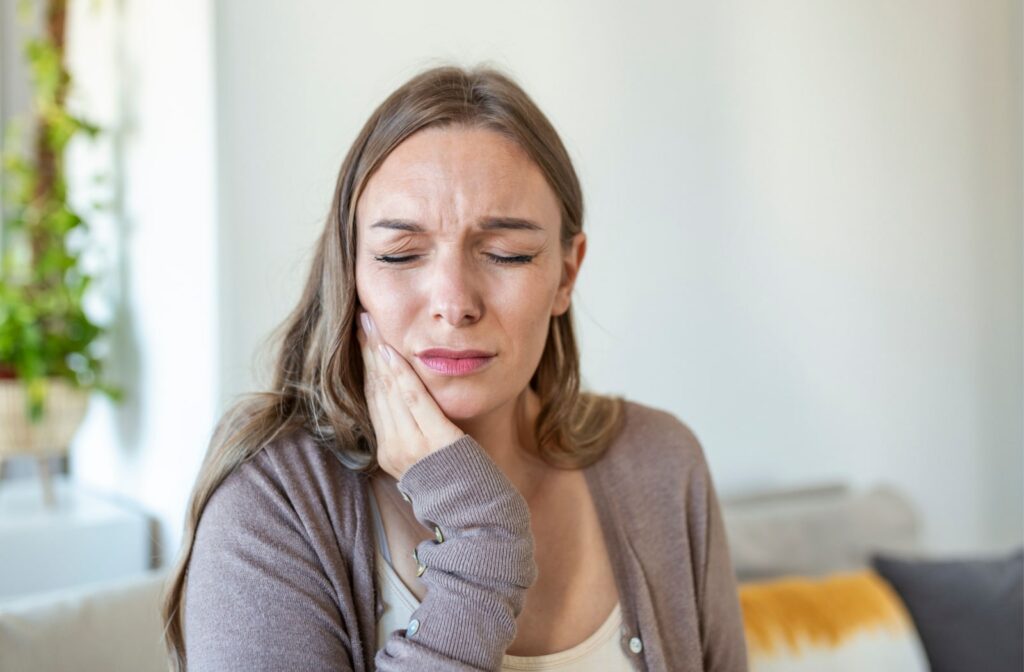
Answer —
365 317
386 352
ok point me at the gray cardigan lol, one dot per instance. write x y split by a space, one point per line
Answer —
282 570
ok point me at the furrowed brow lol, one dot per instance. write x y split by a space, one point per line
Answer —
509 223
399 225
486 224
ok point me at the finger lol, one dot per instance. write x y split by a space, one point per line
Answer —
376 399
378 391
400 423
400 396
368 385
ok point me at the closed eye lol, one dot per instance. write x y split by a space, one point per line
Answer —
496 258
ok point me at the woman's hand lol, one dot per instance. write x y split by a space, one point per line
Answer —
407 421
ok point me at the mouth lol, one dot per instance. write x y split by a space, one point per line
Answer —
454 354
455 362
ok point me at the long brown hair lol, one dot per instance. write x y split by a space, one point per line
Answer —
318 377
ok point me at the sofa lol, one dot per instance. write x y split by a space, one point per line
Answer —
809 560
836 579
108 627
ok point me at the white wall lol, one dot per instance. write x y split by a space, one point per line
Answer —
809 214
146 71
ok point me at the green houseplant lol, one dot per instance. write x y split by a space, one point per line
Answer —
48 358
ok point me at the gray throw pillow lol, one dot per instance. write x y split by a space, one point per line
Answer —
969 612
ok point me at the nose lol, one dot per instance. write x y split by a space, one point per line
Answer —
455 295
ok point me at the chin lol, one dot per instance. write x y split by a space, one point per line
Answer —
462 404
461 409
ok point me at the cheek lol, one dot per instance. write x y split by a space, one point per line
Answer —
362 294
378 292
389 303
530 332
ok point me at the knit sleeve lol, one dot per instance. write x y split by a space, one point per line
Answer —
477 577
257 596
723 637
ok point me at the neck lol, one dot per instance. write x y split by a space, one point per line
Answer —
506 434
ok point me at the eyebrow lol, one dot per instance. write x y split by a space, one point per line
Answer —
485 224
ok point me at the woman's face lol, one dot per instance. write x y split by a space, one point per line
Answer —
452 202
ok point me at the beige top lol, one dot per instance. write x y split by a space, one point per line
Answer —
600 652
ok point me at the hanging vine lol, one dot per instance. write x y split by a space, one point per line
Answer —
44 331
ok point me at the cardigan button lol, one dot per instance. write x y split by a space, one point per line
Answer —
414 625
438 535
635 645
420 567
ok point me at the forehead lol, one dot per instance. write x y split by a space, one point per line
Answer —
457 174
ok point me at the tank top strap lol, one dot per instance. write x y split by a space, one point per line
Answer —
382 540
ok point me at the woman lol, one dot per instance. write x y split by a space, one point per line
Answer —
514 522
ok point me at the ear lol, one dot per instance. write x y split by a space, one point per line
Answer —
571 263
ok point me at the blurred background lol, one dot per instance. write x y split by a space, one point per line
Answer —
804 232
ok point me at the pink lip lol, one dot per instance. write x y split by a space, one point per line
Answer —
454 366
453 354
